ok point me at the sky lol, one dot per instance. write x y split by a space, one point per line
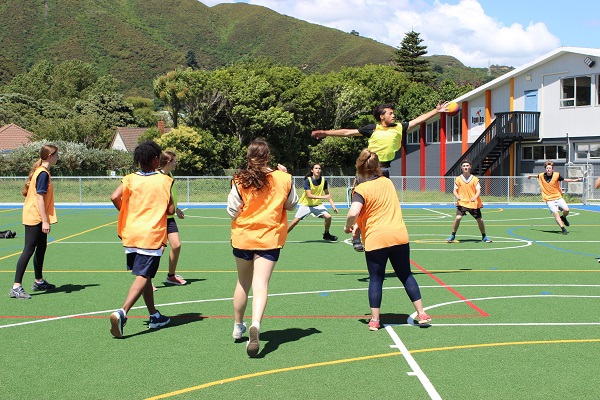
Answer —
477 32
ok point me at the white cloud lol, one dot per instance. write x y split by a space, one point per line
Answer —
461 30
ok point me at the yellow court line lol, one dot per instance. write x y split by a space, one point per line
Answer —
65 238
348 360
9 210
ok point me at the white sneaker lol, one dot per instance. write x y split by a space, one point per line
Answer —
253 345
238 330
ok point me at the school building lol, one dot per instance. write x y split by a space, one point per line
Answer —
548 109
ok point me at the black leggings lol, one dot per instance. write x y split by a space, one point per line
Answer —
399 257
35 242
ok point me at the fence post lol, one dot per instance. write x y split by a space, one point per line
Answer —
188 189
80 190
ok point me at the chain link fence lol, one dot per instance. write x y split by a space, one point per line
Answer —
214 189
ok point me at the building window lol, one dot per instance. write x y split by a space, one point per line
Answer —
544 152
576 92
413 137
432 132
453 134
585 150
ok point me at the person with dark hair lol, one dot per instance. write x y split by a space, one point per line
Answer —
257 204
552 193
311 201
144 201
467 194
385 139
376 210
38 214
168 161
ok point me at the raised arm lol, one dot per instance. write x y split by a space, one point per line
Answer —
320 133
441 107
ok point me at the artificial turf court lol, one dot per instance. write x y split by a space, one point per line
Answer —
516 318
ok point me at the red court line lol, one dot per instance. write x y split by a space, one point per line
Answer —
188 317
451 290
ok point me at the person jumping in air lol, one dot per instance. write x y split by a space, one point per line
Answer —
315 191
466 192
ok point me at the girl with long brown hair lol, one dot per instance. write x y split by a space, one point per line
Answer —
38 214
258 203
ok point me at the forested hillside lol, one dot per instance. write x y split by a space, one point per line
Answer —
137 40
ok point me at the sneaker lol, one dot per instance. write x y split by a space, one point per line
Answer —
117 322
564 220
423 318
175 280
357 244
13 234
154 289
450 239
373 325
238 330
564 231
330 237
253 344
486 239
18 293
42 286
157 322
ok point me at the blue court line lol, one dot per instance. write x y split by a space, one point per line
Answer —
511 233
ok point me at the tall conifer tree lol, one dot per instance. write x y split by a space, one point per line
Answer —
409 59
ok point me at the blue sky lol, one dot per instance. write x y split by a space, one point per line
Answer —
477 32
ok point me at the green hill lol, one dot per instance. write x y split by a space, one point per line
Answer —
137 40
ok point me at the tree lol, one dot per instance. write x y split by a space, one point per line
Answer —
190 60
173 89
409 59
197 150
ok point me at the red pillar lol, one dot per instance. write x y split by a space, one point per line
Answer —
442 151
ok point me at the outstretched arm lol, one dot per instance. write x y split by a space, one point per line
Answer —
320 133
441 107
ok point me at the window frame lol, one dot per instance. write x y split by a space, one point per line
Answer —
574 100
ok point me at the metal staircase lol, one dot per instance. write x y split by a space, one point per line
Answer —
492 147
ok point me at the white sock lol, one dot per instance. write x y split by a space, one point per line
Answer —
256 324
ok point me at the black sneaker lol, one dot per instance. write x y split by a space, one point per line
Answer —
564 231
42 286
157 322
117 322
18 293
13 234
330 237
357 244
564 220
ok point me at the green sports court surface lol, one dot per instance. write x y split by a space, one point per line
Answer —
515 318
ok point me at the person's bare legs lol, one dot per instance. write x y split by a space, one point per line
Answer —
141 285
245 271
175 243
263 269
292 224
327 218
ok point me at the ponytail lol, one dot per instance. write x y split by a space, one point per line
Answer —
46 151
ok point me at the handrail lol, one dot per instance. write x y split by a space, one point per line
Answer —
507 125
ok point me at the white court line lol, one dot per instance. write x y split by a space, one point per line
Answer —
410 318
417 371
438 212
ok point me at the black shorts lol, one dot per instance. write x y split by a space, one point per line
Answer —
248 255
142 265
171 226
462 211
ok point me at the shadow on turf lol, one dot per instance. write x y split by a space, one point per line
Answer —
392 319
176 320
545 231
68 288
170 285
274 339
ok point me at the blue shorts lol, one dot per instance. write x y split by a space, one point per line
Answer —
171 226
248 255
142 265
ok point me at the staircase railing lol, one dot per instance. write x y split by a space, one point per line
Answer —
509 126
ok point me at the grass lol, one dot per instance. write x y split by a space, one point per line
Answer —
537 289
